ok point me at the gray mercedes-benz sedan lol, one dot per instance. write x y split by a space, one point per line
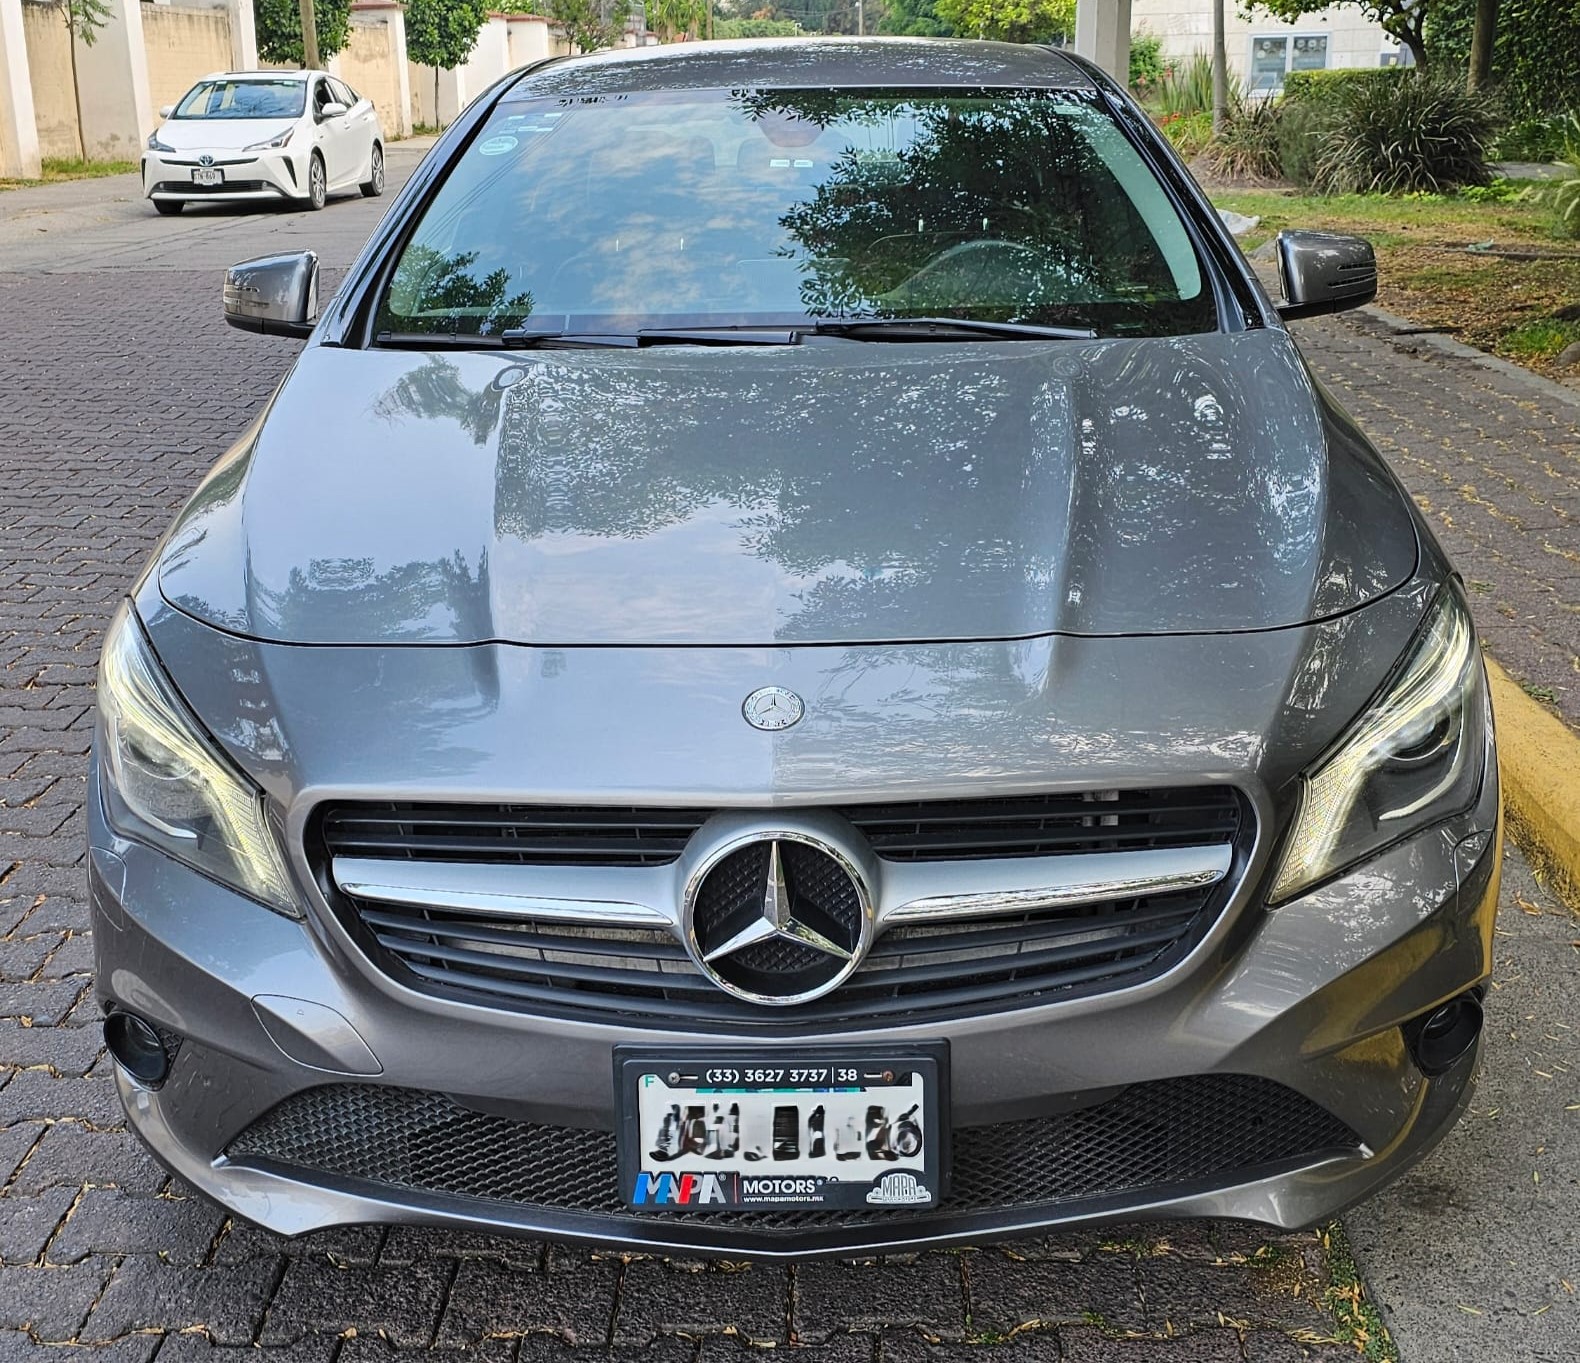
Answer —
798 666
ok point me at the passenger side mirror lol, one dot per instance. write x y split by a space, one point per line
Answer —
165 110
277 295
1323 272
331 110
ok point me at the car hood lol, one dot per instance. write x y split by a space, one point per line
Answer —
220 134
767 495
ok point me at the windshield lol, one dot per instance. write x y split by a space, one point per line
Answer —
764 208
244 99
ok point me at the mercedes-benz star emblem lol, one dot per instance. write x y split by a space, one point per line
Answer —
779 919
772 708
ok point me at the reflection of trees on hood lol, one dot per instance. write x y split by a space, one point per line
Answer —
435 292
435 389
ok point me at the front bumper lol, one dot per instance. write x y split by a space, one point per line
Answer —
1313 997
249 177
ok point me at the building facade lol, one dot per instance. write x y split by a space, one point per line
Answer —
1262 50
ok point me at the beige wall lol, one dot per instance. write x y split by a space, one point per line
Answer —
49 63
367 65
183 45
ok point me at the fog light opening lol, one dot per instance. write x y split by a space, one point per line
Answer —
137 1048
1442 1037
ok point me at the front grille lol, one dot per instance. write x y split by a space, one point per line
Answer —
913 830
512 835
1046 825
1212 1129
641 977
226 187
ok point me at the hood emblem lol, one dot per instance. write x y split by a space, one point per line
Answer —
772 708
779 920
205 160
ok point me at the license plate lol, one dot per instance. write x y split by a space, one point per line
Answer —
728 1131
207 175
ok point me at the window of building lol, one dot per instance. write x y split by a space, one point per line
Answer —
1272 57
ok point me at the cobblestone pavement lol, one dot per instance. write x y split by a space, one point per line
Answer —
117 387
1494 460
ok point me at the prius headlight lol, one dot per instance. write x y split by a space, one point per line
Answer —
1415 755
168 786
154 144
278 140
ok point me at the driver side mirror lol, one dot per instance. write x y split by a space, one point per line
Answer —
1323 272
333 109
275 295
165 110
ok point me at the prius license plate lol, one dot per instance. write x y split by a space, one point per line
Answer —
208 176
708 1131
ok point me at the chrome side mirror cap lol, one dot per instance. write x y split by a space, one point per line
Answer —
1323 272
277 295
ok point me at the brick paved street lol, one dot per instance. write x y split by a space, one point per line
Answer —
119 384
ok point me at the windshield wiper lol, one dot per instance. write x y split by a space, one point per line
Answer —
650 336
944 328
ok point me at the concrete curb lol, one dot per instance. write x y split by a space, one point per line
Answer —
1539 765
1403 328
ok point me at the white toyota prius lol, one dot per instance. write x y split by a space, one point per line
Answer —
264 136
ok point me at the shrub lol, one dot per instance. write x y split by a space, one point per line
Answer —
1331 86
1530 139
1534 59
1419 132
1188 134
1248 145
1186 87
1564 196
1146 63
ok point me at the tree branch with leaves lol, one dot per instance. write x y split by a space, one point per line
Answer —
1403 20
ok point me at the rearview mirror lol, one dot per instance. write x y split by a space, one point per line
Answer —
277 295
165 110
1323 272
331 110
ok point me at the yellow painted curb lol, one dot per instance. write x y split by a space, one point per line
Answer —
1539 764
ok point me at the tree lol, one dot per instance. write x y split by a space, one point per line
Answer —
278 25
442 34
590 24
1012 21
1485 35
913 19
84 19
1534 56
1403 20
677 20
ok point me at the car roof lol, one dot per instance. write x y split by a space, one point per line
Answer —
808 63
262 75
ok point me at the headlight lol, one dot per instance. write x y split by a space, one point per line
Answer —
1416 755
267 143
167 785
154 144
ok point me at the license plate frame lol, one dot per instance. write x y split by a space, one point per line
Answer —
208 177
901 1161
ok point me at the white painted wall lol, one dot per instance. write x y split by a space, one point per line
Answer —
18 127
1185 26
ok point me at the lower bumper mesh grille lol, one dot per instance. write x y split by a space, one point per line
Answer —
1214 1128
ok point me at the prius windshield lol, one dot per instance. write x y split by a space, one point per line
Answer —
244 99
767 208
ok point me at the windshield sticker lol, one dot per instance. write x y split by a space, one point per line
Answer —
496 146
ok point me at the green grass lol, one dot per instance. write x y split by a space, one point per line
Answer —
1359 1322
1542 339
1427 274
57 168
